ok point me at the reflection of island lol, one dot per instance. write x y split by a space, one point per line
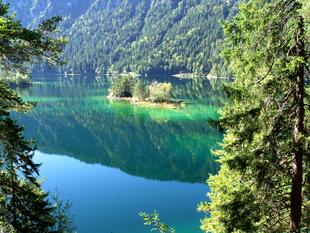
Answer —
165 145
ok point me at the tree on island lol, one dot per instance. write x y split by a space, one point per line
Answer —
264 181
24 207
128 87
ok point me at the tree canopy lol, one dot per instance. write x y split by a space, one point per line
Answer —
263 184
24 207
21 46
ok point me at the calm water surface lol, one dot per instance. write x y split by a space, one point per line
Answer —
113 159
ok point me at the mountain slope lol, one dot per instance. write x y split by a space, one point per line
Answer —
32 12
144 36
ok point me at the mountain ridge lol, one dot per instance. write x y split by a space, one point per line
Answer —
142 36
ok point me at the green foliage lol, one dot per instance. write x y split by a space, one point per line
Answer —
150 37
141 90
122 86
126 86
21 46
62 216
145 36
160 92
4 227
253 191
24 207
28 209
154 221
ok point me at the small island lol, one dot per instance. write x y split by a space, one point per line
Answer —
138 92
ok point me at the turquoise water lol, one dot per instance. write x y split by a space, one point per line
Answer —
113 159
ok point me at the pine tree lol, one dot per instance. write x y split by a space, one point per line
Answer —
24 207
23 204
263 183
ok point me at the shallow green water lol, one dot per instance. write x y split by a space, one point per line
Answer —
113 159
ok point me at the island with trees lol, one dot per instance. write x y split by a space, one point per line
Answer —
139 92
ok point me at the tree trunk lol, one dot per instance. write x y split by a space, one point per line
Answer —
14 220
297 170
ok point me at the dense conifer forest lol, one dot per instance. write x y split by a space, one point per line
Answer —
148 36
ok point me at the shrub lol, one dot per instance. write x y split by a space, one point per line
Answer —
154 221
160 92
141 90
122 86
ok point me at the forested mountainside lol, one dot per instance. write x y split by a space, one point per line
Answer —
143 36
32 12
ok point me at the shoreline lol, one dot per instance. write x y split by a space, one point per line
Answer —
148 103
194 76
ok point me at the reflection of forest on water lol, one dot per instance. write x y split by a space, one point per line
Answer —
73 118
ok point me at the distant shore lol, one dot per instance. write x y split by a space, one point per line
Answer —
195 75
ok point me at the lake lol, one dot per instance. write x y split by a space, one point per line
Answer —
113 159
